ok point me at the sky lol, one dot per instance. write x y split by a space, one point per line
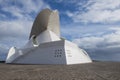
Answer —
93 25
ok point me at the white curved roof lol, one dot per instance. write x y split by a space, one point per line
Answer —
46 19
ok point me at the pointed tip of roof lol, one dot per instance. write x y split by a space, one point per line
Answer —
46 9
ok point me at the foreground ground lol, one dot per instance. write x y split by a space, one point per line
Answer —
91 71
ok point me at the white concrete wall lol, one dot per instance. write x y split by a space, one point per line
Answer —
51 53
74 54
56 52
46 36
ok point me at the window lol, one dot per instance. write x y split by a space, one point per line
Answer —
35 43
58 53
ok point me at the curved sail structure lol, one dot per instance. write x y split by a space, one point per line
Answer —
46 19
45 45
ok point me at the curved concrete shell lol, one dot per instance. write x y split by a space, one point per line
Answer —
46 19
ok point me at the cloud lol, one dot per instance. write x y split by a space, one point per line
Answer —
104 41
3 54
65 1
16 19
15 28
79 31
104 47
97 11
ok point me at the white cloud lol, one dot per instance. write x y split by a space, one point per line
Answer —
16 20
17 28
98 11
102 47
104 4
24 9
88 42
33 6
66 1
105 41
79 31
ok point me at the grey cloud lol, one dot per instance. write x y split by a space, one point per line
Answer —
3 53
16 22
106 54
105 47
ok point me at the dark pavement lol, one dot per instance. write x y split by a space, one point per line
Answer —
90 71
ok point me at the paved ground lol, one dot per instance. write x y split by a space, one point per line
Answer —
91 71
